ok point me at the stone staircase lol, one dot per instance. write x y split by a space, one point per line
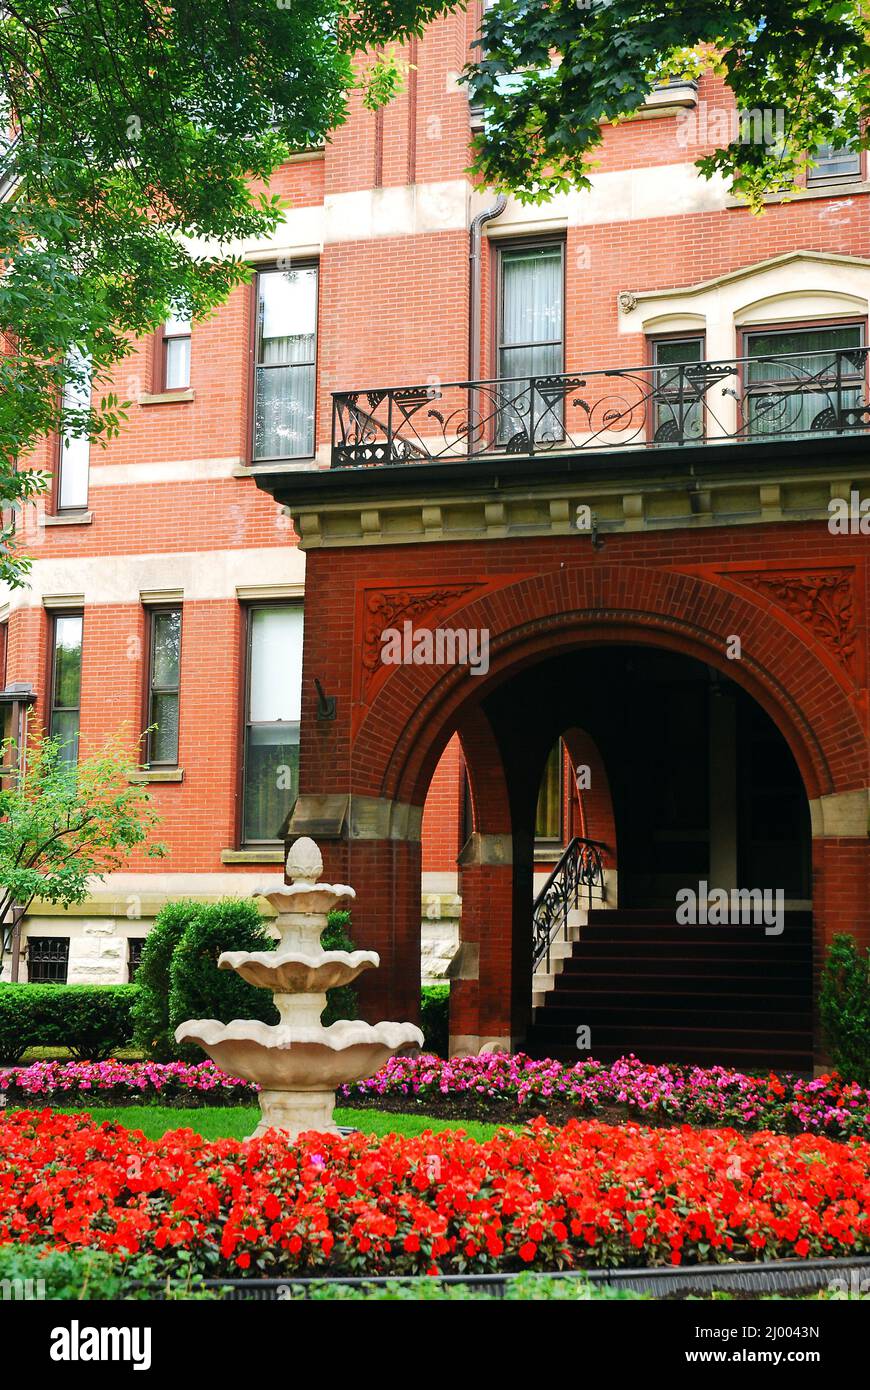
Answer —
686 994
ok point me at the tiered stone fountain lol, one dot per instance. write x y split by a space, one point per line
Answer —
298 1063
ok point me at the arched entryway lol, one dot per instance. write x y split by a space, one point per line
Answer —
411 713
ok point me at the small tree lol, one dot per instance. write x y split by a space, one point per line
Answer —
63 825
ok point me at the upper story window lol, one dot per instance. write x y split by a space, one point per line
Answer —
677 407
819 378
176 353
66 683
75 446
530 338
833 166
272 709
286 360
164 676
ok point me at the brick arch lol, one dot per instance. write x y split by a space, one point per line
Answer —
597 817
399 741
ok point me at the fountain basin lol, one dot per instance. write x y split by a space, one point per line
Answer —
282 1058
293 972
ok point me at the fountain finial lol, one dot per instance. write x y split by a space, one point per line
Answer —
304 862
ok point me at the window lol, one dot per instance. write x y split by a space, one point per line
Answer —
66 684
834 166
176 353
530 341
548 820
286 359
75 445
47 960
134 956
678 405
164 666
806 390
274 697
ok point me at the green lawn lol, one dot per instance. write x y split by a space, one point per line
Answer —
235 1122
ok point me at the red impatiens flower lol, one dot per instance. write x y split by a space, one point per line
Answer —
585 1194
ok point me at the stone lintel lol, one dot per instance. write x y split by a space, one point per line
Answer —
486 849
841 815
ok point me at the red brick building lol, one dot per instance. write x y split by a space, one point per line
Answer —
657 541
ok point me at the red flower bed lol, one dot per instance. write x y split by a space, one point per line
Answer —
544 1198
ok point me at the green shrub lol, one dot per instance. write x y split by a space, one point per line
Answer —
29 1273
435 1018
151 1029
844 1005
197 988
93 1021
340 1002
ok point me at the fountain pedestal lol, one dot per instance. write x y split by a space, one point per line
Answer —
297 1062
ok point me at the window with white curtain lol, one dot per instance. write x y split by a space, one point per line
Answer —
273 705
531 338
286 363
176 352
797 375
75 446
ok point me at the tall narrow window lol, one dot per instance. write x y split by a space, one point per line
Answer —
274 699
834 166
286 363
530 341
66 684
548 818
75 445
799 379
164 667
176 353
677 404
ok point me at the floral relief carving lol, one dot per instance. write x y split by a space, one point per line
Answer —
385 608
823 601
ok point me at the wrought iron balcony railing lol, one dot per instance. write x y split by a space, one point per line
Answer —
755 398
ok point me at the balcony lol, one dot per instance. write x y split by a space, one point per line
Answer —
749 400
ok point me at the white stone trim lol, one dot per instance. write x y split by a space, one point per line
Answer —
81 581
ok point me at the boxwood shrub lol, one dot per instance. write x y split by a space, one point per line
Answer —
434 1018
93 1021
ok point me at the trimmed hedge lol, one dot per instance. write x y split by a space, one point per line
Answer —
435 1018
844 1006
93 1021
151 1031
197 988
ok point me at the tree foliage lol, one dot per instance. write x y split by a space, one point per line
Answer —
62 826
144 138
550 75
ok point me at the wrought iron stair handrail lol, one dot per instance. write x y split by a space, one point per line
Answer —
750 398
581 865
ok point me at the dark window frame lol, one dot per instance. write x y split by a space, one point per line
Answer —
161 357
504 248
135 945
54 616
745 332
151 611
53 955
250 608
558 839
271 268
653 339
79 508
816 179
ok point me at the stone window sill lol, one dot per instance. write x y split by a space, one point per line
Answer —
837 189
68 519
158 774
253 856
166 397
